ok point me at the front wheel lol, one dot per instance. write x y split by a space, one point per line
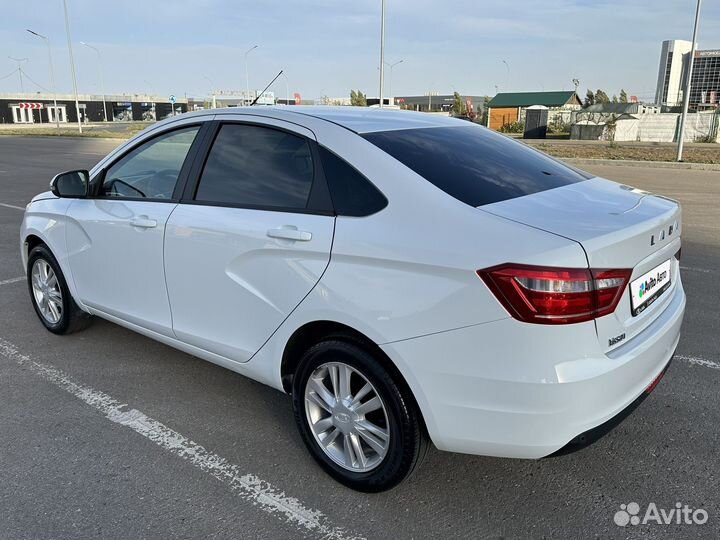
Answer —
50 294
355 420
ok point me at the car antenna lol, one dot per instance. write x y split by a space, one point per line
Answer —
268 86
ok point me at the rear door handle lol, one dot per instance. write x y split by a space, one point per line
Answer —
286 233
143 222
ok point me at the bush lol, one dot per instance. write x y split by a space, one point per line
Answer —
558 127
515 127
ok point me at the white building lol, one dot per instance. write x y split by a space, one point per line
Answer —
671 72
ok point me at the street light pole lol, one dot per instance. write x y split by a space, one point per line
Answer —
212 89
686 91
100 71
247 75
52 75
382 51
72 66
507 79
391 66
18 60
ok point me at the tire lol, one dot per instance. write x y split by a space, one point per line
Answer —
64 317
397 418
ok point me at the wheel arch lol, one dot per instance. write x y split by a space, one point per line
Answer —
32 241
314 332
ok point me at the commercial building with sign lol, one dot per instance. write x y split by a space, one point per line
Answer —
673 72
46 108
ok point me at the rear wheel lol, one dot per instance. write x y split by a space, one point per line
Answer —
354 418
50 294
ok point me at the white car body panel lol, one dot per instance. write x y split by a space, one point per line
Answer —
231 284
117 267
618 227
404 277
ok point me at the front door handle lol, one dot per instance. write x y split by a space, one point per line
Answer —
143 222
286 233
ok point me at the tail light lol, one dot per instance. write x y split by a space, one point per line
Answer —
555 295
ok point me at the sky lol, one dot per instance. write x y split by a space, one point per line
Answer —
327 47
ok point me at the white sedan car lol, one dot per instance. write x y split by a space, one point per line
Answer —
406 278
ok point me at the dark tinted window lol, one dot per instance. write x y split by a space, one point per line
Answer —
257 166
474 164
352 194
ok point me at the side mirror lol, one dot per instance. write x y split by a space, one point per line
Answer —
71 184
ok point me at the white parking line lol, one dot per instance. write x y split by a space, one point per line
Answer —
696 269
12 280
246 486
13 206
698 361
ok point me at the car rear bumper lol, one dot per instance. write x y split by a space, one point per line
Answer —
512 389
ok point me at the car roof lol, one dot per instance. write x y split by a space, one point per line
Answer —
356 119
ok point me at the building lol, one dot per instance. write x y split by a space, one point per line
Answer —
507 108
39 108
436 102
672 73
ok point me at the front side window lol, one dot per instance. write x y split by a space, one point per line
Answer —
151 170
255 166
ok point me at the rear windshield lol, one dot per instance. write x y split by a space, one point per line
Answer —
473 164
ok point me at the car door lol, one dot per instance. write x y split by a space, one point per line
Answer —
250 239
115 237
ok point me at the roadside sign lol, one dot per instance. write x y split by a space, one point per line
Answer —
30 105
172 99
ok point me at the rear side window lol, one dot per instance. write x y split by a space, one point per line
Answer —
256 166
352 194
474 164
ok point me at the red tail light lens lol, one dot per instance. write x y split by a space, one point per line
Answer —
555 295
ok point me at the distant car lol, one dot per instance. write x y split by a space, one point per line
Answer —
406 278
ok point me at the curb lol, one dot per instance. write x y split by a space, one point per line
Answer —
650 164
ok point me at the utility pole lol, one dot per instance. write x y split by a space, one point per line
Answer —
686 91
382 51
72 66
247 76
100 71
52 76
18 60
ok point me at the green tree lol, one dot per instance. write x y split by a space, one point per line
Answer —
601 97
623 96
483 118
589 99
358 99
614 99
459 107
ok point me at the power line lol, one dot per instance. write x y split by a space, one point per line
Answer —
10 74
36 84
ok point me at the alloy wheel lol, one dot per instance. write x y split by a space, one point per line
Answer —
46 290
347 417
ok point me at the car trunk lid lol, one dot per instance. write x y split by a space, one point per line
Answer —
618 227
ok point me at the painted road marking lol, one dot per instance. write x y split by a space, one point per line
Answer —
13 206
698 361
696 269
12 280
246 486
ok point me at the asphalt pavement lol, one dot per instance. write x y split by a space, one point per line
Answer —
107 434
